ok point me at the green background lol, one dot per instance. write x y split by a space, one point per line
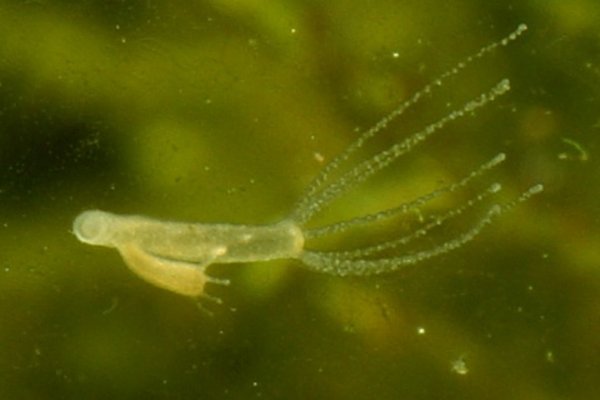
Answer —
222 111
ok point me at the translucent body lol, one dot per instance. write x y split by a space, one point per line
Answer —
175 255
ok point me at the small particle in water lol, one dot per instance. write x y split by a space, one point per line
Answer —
459 366
112 307
421 330
581 153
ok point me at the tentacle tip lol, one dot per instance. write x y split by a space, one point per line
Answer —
499 158
503 86
495 187
535 189
214 299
